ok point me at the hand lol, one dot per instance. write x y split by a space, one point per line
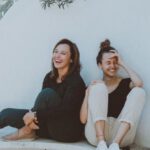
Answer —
33 125
28 118
119 58
96 81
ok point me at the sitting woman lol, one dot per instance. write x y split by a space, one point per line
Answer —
56 112
113 105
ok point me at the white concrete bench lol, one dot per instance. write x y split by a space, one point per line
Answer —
40 144
45 144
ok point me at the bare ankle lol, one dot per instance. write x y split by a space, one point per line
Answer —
116 141
100 138
26 130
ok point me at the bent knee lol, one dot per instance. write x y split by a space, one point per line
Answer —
5 113
98 93
139 91
47 91
99 87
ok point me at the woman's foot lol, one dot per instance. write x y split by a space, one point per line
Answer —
114 146
23 133
102 146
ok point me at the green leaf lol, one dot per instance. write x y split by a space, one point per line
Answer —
59 3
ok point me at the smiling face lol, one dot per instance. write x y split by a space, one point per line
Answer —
62 57
109 64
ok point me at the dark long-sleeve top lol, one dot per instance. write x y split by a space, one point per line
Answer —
71 92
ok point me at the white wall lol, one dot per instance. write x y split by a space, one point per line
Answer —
28 33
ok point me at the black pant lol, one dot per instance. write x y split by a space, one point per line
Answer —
46 99
12 117
64 128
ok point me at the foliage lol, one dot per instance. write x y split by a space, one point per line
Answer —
59 3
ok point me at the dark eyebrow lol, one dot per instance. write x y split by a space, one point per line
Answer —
63 51
55 50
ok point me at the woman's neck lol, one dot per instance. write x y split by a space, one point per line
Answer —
61 74
110 80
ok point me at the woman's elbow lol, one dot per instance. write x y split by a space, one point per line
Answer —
83 119
139 84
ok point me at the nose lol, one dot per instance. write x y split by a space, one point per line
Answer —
113 66
57 55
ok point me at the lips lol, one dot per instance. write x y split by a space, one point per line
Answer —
58 61
112 70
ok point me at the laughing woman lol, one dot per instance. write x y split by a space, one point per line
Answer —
112 106
56 112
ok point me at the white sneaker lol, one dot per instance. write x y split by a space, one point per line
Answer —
102 146
114 146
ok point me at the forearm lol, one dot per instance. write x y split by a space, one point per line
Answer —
136 80
84 110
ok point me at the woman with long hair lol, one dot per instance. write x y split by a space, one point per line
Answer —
56 112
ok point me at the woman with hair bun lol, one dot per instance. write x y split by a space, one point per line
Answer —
112 105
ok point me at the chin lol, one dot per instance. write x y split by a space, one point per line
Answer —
57 66
111 75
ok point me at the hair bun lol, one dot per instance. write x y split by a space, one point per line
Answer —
105 44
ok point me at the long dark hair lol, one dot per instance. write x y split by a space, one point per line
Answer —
105 47
75 65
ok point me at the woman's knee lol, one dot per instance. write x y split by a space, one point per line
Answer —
46 98
47 91
137 98
98 92
98 88
5 114
138 92
98 100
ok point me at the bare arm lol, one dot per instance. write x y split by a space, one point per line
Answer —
84 108
136 80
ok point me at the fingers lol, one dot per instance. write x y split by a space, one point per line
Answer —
28 118
35 120
114 55
33 125
96 81
27 122
114 51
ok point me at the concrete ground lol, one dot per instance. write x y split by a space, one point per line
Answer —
45 144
